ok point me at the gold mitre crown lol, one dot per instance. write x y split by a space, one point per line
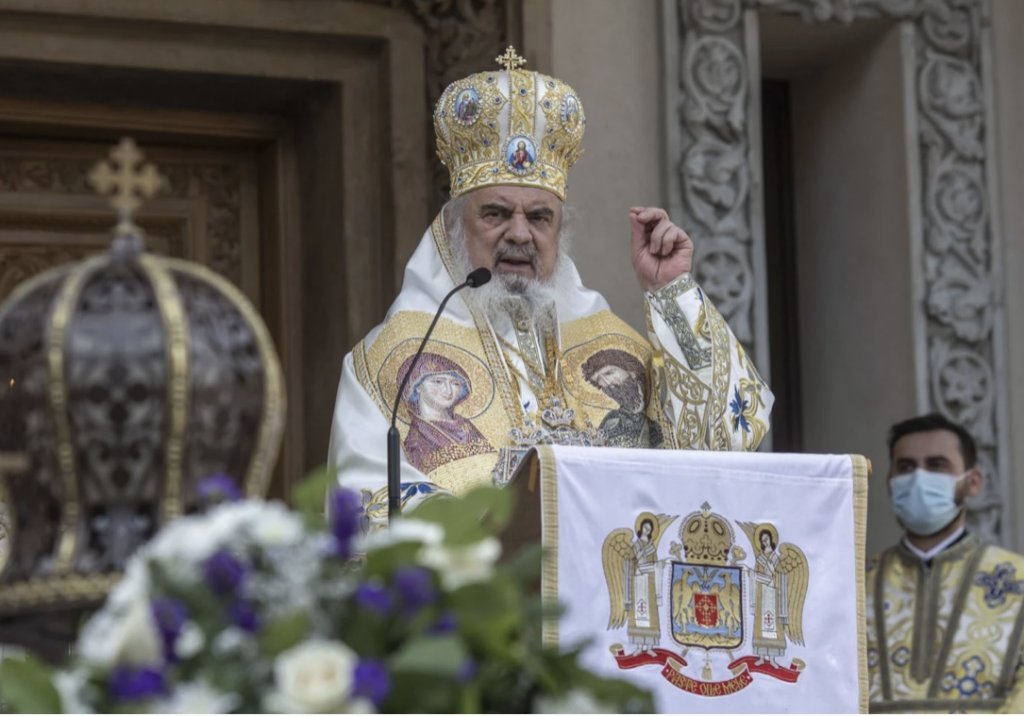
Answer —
509 126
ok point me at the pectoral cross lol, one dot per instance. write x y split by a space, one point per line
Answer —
127 180
510 60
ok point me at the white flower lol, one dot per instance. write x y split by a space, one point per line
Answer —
402 530
122 634
69 685
190 640
230 640
459 566
189 541
574 701
196 697
277 527
313 677
132 587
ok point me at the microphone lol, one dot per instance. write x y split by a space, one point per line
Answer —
475 279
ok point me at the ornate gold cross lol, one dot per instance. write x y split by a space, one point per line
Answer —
127 180
510 59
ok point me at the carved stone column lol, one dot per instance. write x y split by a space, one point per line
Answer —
714 179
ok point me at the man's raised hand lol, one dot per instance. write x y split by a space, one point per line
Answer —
661 250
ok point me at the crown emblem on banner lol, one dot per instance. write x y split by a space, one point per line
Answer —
509 127
707 537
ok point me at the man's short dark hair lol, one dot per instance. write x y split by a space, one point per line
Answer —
935 421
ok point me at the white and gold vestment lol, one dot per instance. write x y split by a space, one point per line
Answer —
946 637
489 388
518 387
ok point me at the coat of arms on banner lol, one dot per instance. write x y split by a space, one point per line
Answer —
716 601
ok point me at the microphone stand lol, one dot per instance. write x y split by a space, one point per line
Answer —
477 277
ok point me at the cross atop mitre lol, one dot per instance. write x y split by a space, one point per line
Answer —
510 60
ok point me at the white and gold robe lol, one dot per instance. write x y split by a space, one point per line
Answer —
947 637
518 387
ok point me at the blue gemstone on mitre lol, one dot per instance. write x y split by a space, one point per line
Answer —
522 91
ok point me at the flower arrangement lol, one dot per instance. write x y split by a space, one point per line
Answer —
251 607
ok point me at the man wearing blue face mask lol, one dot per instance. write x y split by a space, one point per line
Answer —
945 613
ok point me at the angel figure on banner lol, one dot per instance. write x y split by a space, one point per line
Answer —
632 571
780 577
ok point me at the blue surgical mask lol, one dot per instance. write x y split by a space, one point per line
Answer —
925 501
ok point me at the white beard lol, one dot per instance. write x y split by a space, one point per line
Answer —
540 296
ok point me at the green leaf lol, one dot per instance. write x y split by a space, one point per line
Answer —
284 633
26 686
488 616
382 563
442 656
310 497
484 512
524 567
422 694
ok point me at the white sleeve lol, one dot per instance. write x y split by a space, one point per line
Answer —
714 397
358 450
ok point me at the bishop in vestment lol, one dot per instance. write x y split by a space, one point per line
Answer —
533 357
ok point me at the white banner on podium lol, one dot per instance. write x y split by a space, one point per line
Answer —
722 582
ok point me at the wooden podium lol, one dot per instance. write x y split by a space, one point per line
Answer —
524 528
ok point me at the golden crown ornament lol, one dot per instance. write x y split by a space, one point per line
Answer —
509 127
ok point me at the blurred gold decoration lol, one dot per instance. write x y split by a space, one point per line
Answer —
127 180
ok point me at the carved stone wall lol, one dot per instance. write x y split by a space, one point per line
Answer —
714 182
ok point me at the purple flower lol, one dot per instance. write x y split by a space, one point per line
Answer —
374 598
345 509
224 572
372 681
445 624
245 617
467 671
130 684
218 488
170 616
415 586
